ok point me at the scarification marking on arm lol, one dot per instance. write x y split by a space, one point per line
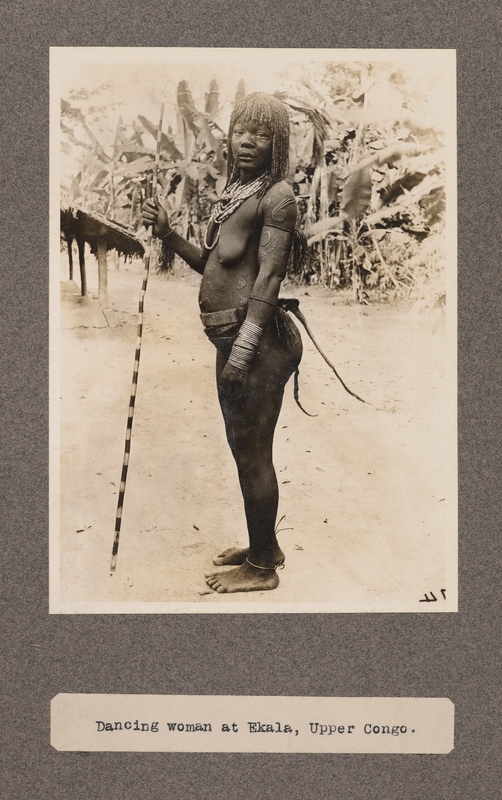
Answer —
288 238
279 212
268 243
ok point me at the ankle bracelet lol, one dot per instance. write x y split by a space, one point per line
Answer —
273 569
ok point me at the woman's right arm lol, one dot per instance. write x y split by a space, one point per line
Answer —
155 215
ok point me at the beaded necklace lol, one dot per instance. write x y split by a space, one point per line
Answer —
231 198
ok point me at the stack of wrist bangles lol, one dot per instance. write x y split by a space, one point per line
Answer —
245 345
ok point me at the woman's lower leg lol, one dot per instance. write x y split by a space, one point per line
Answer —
260 492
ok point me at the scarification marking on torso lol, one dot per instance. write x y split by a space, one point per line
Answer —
237 287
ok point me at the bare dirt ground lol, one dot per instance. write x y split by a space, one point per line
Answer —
366 490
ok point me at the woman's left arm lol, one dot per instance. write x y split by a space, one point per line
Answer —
279 221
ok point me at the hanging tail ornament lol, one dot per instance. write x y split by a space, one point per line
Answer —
292 305
132 399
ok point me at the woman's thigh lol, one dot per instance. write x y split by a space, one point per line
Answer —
251 414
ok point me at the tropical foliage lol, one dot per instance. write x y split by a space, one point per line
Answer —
379 193
367 170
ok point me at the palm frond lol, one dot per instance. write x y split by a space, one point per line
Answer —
319 121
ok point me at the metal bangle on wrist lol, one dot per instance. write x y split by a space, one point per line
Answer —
245 346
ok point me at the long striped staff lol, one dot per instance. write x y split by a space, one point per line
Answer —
132 400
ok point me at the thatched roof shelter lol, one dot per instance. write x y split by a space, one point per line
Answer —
91 226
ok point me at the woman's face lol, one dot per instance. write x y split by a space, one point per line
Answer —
251 145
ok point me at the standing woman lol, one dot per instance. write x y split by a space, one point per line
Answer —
243 262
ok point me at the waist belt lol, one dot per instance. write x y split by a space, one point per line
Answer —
227 316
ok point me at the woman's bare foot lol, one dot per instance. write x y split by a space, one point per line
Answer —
235 556
244 578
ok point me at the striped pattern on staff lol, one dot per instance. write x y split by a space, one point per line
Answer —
137 355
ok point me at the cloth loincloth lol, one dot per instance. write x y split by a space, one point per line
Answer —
222 327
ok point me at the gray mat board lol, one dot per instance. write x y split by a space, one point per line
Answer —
453 656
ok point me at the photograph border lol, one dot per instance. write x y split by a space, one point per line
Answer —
63 61
455 655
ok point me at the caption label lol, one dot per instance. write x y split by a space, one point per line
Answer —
224 724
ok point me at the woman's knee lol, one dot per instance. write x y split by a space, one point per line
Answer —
251 451
256 472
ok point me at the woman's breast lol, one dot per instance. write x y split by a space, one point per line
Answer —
232 265
226 285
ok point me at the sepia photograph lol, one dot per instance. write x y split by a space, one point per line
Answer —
253 354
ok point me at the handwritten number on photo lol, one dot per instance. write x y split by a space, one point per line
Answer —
432 598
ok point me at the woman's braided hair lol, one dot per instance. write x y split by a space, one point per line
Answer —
264 109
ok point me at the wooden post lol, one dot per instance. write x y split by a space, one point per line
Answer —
81 262
102 275
69 242
323 212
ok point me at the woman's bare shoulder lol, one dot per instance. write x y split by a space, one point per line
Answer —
279 206
280 190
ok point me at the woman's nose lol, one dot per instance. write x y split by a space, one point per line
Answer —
247 139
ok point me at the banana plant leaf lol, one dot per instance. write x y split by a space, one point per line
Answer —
240 91
212 99
193 170
356 194
166 142
337 116
136 167
135 149
429 184
186 106
211 142
325 226
391 153
94 164
403 184
186 137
